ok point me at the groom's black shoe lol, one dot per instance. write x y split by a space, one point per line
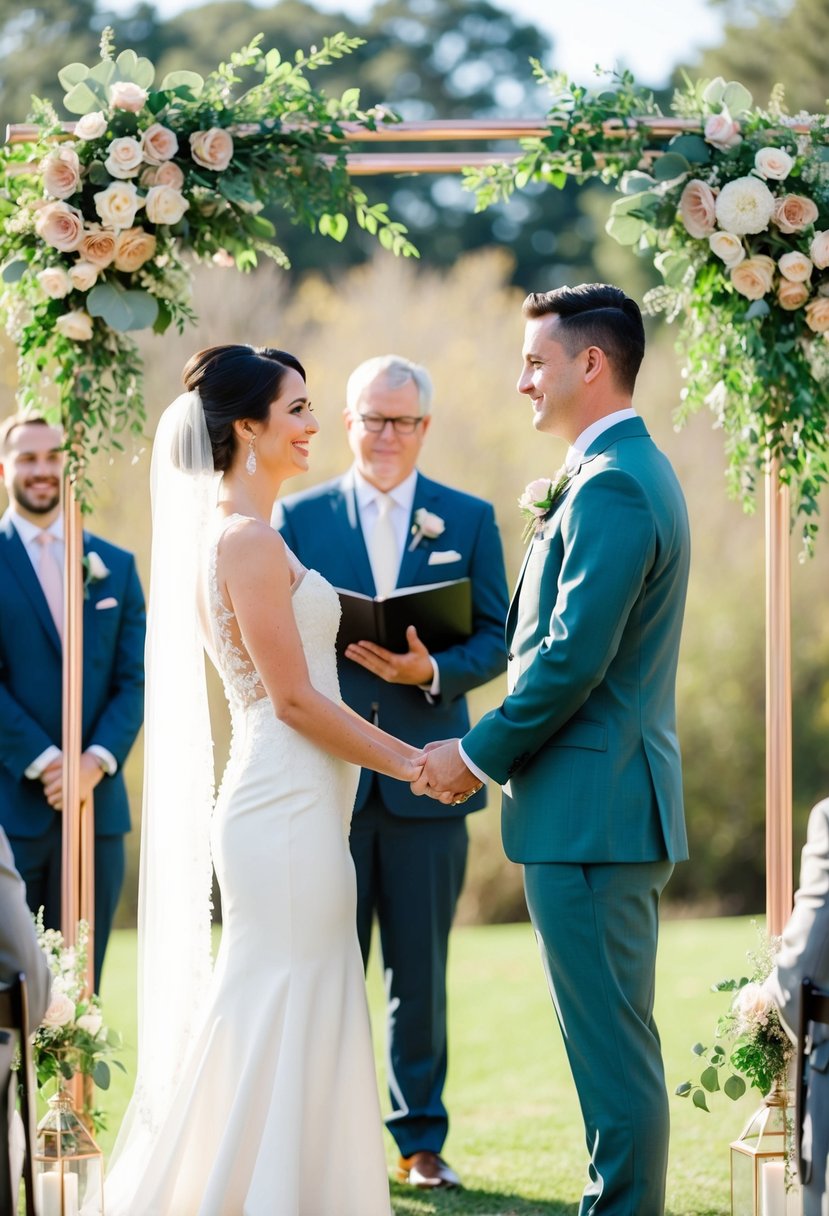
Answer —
426 1170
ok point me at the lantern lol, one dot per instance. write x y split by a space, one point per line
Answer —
68 1165
758 1163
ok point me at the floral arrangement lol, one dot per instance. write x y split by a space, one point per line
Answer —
538 500
731 202
751 1042
72 1037
95 570
426 525
97 217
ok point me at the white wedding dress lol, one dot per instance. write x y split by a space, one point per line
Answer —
277 1111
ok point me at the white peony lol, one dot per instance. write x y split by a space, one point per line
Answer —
55 282
745 205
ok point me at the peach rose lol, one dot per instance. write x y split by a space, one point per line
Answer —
753 277
791 295
124 95
61 171
118 204
212 149
773 163
60 226
124 157
165 205
55 282
727 247
817 315
697 208
159 144
722 131
794 212
97 247
83 275
795 266
167 174
76 325
133 248
91 126
819 249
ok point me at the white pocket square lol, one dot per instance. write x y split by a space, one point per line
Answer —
109 602
441 556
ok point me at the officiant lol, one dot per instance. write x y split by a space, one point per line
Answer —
383 526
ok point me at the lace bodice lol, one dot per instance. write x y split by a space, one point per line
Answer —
317 612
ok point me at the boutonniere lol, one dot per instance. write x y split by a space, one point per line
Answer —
94 570
426 524
538 500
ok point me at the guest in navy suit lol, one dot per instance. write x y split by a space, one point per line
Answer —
31 608
384 525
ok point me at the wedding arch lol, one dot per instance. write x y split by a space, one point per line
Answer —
730 201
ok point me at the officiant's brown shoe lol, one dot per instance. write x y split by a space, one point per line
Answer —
426 1170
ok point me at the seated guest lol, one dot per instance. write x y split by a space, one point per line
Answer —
805 955
19 951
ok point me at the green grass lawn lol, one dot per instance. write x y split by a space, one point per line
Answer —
516 1136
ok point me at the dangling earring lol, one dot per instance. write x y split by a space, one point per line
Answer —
250 463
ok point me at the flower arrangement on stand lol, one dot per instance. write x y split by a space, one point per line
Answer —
731 203
98 216
72 1039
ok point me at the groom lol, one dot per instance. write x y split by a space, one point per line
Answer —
585 742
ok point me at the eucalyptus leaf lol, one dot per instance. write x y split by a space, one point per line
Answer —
684 1089
699 1100
626 229
85 97
759 308
692 147
187 80
103 72
713 91
13 272
136 69
734 1087
72 74
736 98
336 226
122 310
670 166
636 182
709 1080
101 1074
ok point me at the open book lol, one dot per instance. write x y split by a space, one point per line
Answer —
440 612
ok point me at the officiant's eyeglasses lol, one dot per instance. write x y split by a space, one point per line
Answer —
377 422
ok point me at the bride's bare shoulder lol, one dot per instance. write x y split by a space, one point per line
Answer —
245 539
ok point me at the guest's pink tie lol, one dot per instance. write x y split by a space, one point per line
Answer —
51 578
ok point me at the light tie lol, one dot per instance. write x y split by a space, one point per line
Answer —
51 578
384 553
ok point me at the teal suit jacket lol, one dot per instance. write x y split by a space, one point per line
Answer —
585 741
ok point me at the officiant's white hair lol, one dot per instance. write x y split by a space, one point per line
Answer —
395 371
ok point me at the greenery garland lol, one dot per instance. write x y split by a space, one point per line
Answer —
734 213
98 219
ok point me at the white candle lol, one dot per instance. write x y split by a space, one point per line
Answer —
70 1195
773 1189
50 1194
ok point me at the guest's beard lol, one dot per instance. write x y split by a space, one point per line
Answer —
42 503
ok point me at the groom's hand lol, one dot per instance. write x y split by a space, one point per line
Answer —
412 667
445 776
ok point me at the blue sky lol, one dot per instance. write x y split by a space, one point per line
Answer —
646 36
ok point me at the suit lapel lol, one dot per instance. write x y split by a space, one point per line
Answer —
353 544
415 562
17 560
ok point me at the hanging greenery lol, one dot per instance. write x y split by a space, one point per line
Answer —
731 202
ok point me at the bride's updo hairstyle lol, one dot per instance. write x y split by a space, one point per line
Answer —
236 382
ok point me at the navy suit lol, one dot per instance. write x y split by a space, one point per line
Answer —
409 852
30 717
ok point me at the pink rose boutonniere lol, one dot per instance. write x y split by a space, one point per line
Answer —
538 500
426 524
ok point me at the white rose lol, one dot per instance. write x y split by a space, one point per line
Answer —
744 205
61 171
773 163
90 1022
753 1004
97 568
537 491
727 247
165 205
795 266
430 525
76 325
83 275
91 126
721 131
124 95
159 143
55 282
118 204
819 249
124 157
61 1011
212 149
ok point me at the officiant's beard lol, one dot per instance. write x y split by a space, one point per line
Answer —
48 497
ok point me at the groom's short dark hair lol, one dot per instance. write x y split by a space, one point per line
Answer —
596 314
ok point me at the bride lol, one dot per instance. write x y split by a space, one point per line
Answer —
256 1093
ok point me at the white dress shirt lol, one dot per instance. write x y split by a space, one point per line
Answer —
575 455
402 497
28 533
